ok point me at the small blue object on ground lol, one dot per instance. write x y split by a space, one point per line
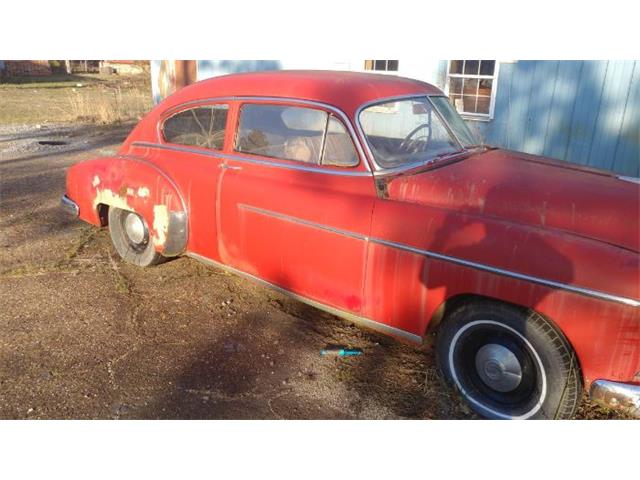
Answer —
340 352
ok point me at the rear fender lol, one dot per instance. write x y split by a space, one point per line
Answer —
135 185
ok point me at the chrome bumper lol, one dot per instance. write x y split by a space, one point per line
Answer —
69 206
618 396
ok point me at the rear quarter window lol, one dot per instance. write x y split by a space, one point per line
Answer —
198 127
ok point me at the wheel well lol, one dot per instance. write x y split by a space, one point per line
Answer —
451 304
456 301
103 214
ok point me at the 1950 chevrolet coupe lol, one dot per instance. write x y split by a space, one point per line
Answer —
368 196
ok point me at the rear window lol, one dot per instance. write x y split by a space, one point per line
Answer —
198 127
295 133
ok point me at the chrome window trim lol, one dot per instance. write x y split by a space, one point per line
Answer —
448 127
353 144
254 161
380 170
367 322
172 112
447 258
279 100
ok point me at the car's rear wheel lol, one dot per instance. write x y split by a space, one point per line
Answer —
130 237
508 363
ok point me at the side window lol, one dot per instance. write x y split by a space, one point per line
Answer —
199 127
338 146
294 133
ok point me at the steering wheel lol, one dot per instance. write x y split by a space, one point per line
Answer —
408 140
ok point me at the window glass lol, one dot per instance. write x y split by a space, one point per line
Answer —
291 133
471 86
382 65
455 121
406 131
338 147
198 127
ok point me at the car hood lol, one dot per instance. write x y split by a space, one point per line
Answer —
531 190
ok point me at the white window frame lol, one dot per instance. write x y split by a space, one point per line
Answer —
494 88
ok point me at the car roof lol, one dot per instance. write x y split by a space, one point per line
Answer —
344 90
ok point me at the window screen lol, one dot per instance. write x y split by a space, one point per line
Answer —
198 127
295 133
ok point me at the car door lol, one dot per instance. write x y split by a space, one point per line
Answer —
296 201
192 141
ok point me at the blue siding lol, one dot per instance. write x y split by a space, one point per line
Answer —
586 112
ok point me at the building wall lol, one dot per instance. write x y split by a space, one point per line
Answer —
20 68
586 112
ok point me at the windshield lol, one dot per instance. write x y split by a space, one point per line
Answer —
455 121
410 131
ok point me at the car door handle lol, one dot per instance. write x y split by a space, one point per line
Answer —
225 166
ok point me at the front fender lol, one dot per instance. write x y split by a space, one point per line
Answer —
136 185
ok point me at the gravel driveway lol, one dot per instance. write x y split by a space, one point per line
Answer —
83 335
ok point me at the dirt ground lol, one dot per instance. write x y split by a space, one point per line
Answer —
83 335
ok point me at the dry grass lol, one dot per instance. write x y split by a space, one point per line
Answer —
77 98
110 106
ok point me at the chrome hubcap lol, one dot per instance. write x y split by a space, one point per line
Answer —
498 367
134 227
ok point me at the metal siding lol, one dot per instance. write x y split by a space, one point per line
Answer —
520 96
627 153
586 112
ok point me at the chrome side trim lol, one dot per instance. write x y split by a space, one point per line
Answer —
508 273
254 161
447 258
635 180
326 106
69 206
366 322
619 396
300 221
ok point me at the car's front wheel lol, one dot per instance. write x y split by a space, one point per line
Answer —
130 237
508 363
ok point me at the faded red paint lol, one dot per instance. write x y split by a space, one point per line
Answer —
518 212
127 183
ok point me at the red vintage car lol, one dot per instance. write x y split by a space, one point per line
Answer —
368 196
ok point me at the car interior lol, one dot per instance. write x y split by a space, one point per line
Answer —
274 131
